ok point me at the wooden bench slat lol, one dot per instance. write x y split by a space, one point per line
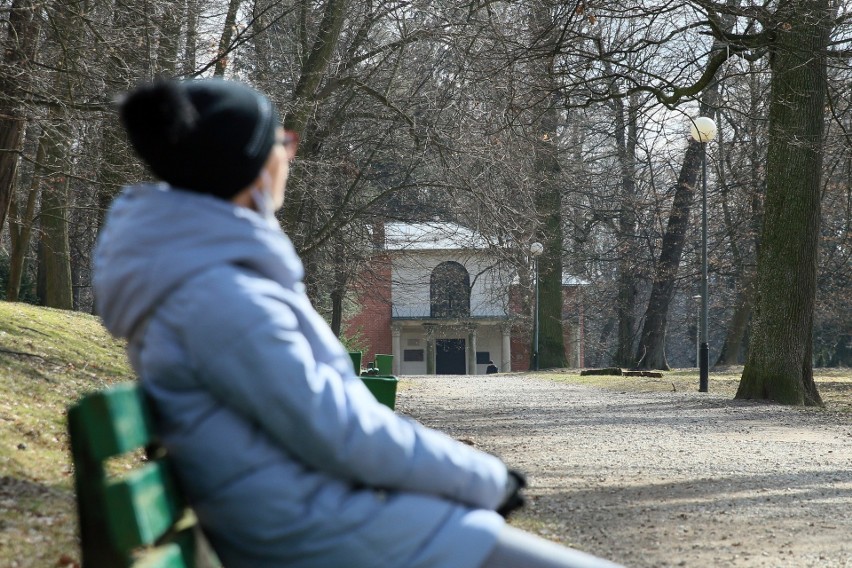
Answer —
167 556
113 422
142 506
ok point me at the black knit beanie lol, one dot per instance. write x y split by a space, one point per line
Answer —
209 136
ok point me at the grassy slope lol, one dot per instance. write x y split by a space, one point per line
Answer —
835 385
49 358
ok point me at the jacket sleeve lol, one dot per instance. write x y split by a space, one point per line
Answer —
255 346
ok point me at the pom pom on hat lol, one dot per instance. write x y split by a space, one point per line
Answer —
209 136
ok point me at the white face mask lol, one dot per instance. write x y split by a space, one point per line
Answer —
262 199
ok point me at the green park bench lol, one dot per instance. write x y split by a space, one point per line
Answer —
139 518
132 519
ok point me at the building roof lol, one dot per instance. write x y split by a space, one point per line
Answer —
435 235
440 236
568 280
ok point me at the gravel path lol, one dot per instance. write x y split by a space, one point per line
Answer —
659 479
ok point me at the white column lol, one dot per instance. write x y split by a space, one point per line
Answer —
396 332
506 359
471 349
429 330
471 355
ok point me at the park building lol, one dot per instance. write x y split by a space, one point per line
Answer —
444 300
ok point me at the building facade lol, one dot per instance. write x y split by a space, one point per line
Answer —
439 298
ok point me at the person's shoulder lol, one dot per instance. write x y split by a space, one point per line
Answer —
229 298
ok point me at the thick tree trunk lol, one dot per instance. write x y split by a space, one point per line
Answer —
779 363
625 135
548 192
260 40
54 269
551 347
19 51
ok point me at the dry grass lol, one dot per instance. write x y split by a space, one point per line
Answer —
835 385
48 359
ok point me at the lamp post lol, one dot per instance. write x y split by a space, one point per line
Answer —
697 299
703 130
535 250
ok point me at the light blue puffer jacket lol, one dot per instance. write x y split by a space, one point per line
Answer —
285 455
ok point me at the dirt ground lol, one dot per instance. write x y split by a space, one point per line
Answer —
654 479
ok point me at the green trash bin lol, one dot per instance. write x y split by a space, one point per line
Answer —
356 361
383 388
384 363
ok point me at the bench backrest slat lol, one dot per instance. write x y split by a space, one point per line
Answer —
142 506
114 421
166 556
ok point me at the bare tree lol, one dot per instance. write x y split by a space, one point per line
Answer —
779 365
19 49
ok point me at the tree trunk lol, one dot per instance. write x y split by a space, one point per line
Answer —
779 363
625 135
170 26
54 269
20 230
730 353
55 257
737 327
15 79
124 69
311 77
651 352
190 50
260 39
551 347
548 195
340 280
225 38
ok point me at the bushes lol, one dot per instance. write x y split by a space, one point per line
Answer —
28 288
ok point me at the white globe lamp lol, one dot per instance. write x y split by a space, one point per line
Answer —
703 129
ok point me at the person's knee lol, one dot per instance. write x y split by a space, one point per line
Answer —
516 548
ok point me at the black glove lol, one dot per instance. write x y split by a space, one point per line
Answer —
513 499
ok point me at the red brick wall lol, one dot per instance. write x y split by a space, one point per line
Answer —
373 322
521 342
522 330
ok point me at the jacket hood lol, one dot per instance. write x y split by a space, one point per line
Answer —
155 238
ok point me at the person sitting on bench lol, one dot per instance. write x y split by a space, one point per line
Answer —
283 453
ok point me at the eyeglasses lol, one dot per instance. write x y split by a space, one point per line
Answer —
290 141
